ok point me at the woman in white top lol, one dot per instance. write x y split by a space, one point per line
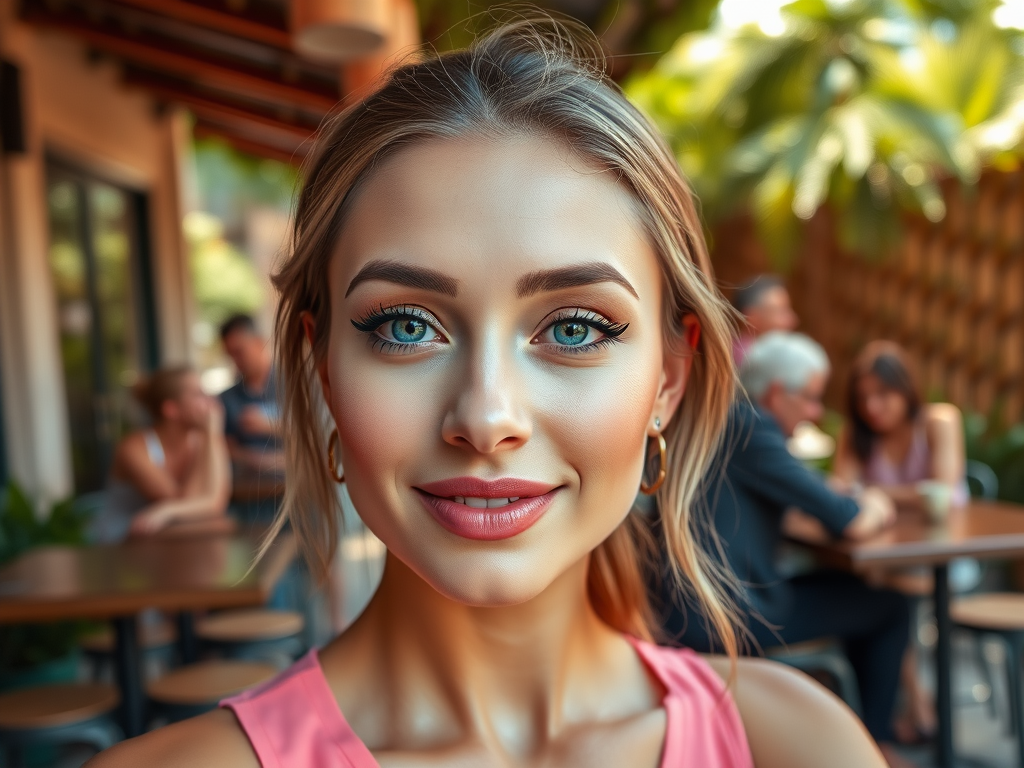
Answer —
174 471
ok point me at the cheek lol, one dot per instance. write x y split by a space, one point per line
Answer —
598 420
384 415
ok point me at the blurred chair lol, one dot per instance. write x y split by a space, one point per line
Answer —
822 656
982 480
63 714
197 688
253 633
1000 615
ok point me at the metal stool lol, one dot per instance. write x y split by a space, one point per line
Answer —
68 713
197 688
822 656
258 633
1001 615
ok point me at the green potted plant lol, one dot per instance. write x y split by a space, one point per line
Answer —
31 654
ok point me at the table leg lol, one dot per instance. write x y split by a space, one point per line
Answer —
188 643
943 668
128 669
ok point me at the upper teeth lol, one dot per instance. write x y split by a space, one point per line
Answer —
478 503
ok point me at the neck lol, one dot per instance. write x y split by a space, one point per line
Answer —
515 675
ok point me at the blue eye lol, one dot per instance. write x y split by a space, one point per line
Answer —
408 330
402 329
580 330
571 333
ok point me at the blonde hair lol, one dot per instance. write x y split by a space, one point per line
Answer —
527 76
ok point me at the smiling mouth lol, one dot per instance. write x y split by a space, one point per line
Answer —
486 510
482 503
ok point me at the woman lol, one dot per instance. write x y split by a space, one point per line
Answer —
176 470
499 288
892 439
895 441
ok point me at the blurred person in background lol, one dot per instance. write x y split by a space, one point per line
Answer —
894 440
785 375
174 471
897 442
765 305
251 417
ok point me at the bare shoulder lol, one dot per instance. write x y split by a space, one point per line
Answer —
791 721
213 740
942 414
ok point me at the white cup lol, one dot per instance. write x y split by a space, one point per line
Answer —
938 498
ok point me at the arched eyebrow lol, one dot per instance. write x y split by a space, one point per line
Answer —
405 274
570 277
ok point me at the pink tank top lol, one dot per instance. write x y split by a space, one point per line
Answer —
293 721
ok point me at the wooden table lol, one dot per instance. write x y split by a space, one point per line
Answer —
175 573
982 530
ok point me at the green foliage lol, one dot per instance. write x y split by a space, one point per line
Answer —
864 106
223 277
1000 448
21 529
26 645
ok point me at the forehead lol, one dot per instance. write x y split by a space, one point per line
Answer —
508 205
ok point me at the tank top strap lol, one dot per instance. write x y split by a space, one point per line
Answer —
703 725
154 448
293 721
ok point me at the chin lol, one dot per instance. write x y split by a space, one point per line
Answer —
490 579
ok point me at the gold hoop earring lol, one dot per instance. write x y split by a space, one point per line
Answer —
650 490
332 462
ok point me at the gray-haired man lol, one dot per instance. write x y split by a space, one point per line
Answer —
757 481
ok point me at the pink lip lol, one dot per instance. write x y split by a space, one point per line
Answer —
491 524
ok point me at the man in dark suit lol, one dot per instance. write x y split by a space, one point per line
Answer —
750 488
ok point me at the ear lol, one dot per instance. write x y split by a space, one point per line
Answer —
309 327
675 373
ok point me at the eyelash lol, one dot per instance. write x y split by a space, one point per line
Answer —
371 321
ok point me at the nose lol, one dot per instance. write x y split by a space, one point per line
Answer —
489 412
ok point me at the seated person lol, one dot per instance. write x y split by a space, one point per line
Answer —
176 470
756 482
765 305
895 441
892 439
251 421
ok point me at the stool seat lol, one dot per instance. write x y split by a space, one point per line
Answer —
208 681
150 636
995 612
47 706
243 626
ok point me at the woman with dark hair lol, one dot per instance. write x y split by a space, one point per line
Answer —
173 471
911 450
895 441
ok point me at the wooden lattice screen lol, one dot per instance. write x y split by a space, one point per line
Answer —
952 294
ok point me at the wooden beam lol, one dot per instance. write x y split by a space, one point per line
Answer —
220 74
219 110
203 129
230 23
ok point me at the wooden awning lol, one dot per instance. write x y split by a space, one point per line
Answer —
228 61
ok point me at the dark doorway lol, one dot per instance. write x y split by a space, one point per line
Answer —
100 261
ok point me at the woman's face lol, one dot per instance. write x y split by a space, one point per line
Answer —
192 406
495 361
882 407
